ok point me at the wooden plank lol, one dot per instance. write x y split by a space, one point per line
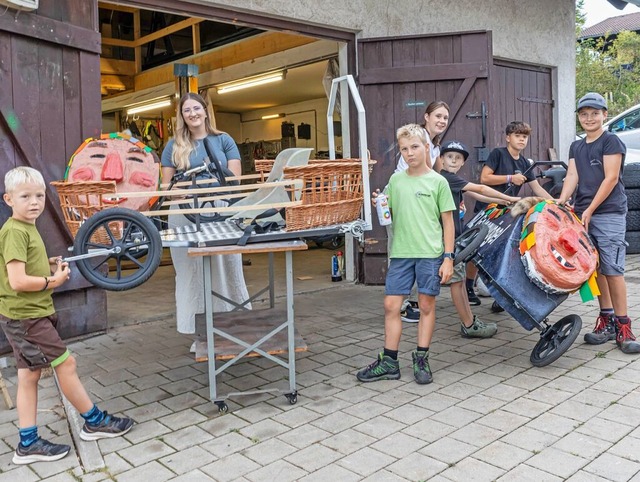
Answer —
116 82
117 7
7 150
250 326
251 248
225 209
163 32
117 67
46 29
207 190
195 36
235 53
117 42
392 75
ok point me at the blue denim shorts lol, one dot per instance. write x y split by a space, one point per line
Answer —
403 272
607 232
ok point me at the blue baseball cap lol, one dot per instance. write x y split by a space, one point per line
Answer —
592 99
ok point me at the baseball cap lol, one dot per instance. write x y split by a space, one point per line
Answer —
455 146
592 99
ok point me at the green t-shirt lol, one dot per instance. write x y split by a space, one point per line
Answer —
416 203
21 241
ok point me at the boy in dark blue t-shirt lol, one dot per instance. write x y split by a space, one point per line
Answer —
595 169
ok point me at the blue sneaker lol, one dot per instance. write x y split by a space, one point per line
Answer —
410 314
110 427
40 451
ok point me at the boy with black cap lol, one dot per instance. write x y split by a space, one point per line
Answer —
595 168
453 155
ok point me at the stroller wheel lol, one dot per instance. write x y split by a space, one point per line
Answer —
555 340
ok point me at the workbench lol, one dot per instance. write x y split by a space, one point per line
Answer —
250 333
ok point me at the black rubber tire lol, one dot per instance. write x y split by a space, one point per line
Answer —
468 243
144 252
556 340
633 220
631 175
633 198
633 239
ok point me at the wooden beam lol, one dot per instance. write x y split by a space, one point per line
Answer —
195 35
136 35
117 67
163 32
116 42
247 49
424 73
116 82
117 7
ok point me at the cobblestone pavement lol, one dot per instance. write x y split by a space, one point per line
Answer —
488 415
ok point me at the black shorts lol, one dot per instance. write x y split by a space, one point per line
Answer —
35 341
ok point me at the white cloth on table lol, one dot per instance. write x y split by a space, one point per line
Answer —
227 280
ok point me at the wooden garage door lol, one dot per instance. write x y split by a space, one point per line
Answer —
50 103
523 92
398 78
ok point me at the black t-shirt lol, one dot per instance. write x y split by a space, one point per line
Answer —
502 163
457 185
589 157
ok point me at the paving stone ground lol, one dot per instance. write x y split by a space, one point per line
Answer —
489 414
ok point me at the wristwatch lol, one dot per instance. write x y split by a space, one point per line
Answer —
450 255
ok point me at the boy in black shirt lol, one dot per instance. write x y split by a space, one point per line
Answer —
453 155
504 171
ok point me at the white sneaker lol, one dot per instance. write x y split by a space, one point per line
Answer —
193 348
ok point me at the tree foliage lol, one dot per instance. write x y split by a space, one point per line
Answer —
609 65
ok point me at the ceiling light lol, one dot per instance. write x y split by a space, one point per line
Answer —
147 107
250 82
272 116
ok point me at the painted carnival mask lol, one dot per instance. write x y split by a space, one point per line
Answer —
120 158
555 249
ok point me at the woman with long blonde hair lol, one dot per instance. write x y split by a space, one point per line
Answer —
195 125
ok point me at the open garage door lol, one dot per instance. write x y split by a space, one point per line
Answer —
398 78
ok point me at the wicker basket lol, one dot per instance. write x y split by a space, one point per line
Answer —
330 191
80 200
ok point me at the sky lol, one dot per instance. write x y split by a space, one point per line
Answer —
599 10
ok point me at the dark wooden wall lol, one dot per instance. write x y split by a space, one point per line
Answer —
523 92
50 103
398 78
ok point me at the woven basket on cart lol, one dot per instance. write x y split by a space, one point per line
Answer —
264 166
80 200
330 191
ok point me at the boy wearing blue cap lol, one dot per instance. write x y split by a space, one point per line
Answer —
453 155
595 168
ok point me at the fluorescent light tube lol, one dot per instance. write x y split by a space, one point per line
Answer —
147 107
272 116
249 82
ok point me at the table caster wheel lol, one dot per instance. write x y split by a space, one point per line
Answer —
292 397
222 407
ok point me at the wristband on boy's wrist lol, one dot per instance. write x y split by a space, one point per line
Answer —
46 283
509 177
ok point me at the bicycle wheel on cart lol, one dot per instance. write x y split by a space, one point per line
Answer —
555 340
134 242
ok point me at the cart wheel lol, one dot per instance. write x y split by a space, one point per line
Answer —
555 340
292 397
136 240
222 407
468 243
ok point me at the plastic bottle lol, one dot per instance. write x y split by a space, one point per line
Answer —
384 214
336 275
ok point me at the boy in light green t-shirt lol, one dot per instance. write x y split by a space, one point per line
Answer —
421 209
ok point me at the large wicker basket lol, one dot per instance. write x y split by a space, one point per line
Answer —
80 200
331 193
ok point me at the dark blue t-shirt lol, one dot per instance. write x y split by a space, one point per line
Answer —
589 157
457 185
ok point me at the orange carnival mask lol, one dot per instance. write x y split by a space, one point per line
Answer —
121 158
556 251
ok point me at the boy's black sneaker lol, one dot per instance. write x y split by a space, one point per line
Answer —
604 331
496 308
625 339
410 315
384 368
473 297
40 451
421 368
110 427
